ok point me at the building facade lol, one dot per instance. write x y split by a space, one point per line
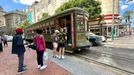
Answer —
44 6
105 27
2 20
31 12
13 19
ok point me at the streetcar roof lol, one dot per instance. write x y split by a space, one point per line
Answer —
63 12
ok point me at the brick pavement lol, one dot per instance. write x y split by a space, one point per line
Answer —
9 63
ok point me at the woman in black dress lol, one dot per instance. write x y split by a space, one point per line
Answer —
1 47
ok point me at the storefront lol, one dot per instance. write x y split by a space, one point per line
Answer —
104 29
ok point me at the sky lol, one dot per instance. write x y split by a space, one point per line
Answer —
10 5
125 6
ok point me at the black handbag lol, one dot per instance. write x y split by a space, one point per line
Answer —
32 46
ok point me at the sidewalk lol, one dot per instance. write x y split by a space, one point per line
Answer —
121 42
9 63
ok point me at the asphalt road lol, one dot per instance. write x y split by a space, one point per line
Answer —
118 57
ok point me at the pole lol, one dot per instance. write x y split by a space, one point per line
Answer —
112 20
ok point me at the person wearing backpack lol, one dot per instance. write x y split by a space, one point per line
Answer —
39 42
54 38
62 42
5 41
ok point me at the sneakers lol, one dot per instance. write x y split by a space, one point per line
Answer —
62 57
59 57
55 56
38 66
22 71
43 67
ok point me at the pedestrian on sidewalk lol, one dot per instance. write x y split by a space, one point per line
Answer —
62 42
19 49
54 38
39 41
1 47
5 41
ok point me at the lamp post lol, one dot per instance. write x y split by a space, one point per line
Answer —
112 20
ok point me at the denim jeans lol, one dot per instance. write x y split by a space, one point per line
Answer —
21 62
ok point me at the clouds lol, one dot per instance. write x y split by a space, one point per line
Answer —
125 4
16 1
131 2
124 7
25 2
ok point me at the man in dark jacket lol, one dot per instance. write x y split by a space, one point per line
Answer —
19 49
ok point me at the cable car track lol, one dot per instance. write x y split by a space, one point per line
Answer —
88 59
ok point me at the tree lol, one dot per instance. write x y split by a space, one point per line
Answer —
127 16
129 0
44 16
24 24
100 19
91 6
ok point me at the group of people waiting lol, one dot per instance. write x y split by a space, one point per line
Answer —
58 38
18 48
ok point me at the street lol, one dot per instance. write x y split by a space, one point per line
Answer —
119 53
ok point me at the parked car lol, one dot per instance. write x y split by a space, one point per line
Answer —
9 37
95 39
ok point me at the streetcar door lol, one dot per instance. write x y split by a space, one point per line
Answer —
66 24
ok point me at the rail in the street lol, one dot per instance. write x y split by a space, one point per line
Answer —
115 54
103 64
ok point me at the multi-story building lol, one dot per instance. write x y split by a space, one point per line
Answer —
37 9
105 27
2 20
13 19
31 12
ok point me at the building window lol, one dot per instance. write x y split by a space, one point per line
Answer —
49 1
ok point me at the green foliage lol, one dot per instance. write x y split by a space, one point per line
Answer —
44 16
24 24
92 6
127 14
100 18
129 0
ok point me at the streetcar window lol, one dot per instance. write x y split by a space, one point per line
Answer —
48 31
80 23
44 31
80 26
52 29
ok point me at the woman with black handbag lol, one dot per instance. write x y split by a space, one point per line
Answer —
39 42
